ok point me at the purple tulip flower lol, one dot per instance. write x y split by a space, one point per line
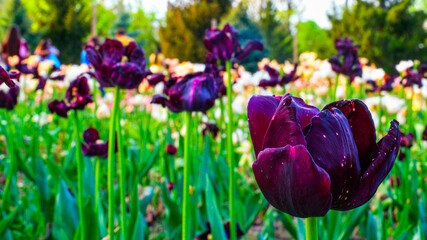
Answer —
171 149
109 68
92 145
424 136
77 96
275 78
195 92
224 44
210 128
6 77
406 140
413 77
310 161
8 100
350 64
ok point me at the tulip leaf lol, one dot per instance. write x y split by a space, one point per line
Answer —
172 214
5 223
423 220
351 221
288 224
92 231
145 166
217 228
41 179
300 229
371 227
65 218
140 230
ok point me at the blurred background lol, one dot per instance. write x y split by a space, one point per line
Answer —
386 30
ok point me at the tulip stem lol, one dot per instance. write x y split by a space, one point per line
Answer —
186 198
122 180
80 167
10 148
97 188
334 94
230 152
311 228
111 168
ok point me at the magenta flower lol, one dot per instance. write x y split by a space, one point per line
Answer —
275 78
413 77
92 145
8 100
109 68
310 161
77 96
6 77
224 44
171 149
195 92
347 61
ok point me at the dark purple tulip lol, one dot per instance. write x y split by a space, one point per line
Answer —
224 44
171 149
43 80
424 136
207 235
155 79
350 64
195 92
170 186
8 100
6 77
93 145
210 128
401 156
388 83
275 78
406 140
310 161
59 107
78 93
374 86
109 68
414 77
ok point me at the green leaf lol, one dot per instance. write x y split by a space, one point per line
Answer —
65 218
141 229
371 227
288 224
217 228
92 231
5 223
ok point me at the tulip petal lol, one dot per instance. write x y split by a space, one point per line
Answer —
362 126
378 169
304 111
260 112
4 78
111 51
292 182
284 128
251 46
91 135
160 99
330 143
94 57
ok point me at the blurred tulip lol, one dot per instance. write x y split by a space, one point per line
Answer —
92 144
350 63
5 77
171 149
224 44
111 71
310 161
9 99
195 92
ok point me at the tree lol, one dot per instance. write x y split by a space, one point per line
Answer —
386 30
275 26
183 32
314 39
66 22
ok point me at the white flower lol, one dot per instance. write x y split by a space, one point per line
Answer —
158 89
424 88
103 111
403 65
393 103
377 74
258 76
326 70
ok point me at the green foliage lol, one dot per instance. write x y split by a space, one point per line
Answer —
314 39
248 30
183 32
386 30
13 12
67 25
275 26
105 20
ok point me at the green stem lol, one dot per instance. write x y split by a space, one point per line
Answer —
221 124
230 153
122 180
111 167
334 94
380 110
186 189
10 148
311 228
97 187
80 167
